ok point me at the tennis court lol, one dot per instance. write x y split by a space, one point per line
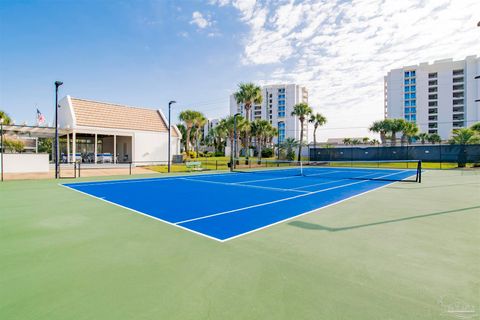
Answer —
229 205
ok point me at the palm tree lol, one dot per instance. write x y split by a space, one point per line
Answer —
183 131
289 144
396 126
347 141
409 131
6 118
199 122
188 117
476 127
423 136
318 120
434 138
464 136
248 94
374 142
355 141
381 127
301 110
365 140
260 129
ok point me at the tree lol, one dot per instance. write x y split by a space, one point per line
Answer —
365 140
476 127
13 145
464 136
318 120
260 130
347 141
423 136
301 110
6 118
396 126
381 127
355 142
434 138
409 131
248 94
374 142
188 117
198 123
289 145
45 145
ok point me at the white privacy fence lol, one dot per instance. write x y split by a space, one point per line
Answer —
25 162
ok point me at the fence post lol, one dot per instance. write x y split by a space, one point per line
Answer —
130 168
79 170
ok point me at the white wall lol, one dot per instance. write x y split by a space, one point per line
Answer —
153 146
25 162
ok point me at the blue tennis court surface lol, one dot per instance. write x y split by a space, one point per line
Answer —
228 205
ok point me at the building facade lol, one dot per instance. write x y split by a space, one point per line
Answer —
439 97
98 132
276 107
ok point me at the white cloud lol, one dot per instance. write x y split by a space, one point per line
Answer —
199 20
341 50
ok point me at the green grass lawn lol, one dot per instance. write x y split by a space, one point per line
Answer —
406 251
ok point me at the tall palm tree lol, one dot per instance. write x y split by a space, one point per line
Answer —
409 131
318 120
260 129
188 117
6 118
347 141
183 131
248 94
396 126
302 111
199 122
365 140
381 127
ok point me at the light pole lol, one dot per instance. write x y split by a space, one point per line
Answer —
169 128
1 143
234 146
478 77
57 84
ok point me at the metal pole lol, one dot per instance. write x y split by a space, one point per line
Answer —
1 139
169 131
57 84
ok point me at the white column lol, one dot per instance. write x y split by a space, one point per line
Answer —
95 151
74 146
68 147
114 148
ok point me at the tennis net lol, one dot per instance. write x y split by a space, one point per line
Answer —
382 170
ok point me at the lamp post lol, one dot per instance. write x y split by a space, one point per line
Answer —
234 146
57 84
169 128
1 143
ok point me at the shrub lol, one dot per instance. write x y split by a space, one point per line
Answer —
13 145
219 154
192 154
267 153
209 154
291 155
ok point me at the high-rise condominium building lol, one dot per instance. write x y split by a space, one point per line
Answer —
439 97
276 107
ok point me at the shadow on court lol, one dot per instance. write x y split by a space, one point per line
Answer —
314 226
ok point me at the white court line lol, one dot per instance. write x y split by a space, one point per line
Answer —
242 185
283 178
281 200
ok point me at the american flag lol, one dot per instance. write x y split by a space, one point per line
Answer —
40 118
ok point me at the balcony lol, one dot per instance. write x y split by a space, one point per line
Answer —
432 131
433 89
458 87
433 125
433 111
432 118
458 109
432 75
458 124
458 117
458 80
458 94
457 102
458 72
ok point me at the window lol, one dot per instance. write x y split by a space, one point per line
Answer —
407 110
412 73
432 75
432 118
413 103
413 81
281 114
458 94
407 74
407 81
433 89
458 72
456 80
281 102
432 96
407 117
407 103
407 89
407 95
432 103
458 87
457 102
413 95
281 96
413 110
282 90
432 82
281 131
413 88
413 117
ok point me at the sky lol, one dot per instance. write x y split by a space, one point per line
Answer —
146 53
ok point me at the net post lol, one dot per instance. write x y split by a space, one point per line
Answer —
130 168
419 171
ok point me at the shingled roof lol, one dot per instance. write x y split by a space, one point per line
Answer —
109 115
